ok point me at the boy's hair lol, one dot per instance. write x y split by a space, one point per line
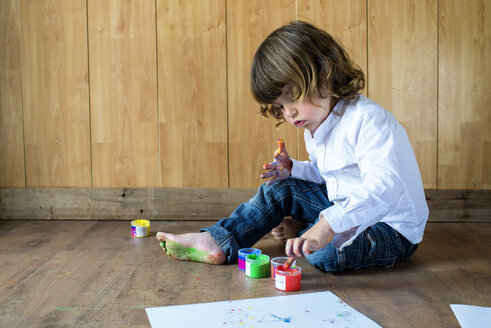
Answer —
307 58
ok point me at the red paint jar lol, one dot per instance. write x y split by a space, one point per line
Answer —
278 261
288 280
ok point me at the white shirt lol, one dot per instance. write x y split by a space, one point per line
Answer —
368 165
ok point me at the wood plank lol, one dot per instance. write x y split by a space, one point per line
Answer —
11 124
31 245
402 66
192 93
102 277
185 204
464 134
55 93
459 205
252 138
456 267
350 29
123 93
121 203
57 289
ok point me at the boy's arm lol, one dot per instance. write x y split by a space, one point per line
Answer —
315 238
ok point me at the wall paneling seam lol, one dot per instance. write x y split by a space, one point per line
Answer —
88 95
159 156
22 96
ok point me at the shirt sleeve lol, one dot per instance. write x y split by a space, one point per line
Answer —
373 137
306 170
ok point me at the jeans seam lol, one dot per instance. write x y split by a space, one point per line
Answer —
225 240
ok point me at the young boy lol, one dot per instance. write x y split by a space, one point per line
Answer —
360 196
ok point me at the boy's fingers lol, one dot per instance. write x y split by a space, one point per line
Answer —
281 148
297 246
270 166
307 247
269 174
281 145
289 247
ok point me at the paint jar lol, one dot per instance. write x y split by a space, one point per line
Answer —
257 265
276 261
288 280
242 256
140 228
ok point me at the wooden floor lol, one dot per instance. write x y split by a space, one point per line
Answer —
93 274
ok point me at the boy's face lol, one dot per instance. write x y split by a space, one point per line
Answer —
308 114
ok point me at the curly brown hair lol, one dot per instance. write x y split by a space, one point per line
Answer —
310 60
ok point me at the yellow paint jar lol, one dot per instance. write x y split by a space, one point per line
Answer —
140 228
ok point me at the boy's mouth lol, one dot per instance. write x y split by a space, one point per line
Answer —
299 124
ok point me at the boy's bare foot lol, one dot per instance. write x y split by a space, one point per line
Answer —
287 229
199 247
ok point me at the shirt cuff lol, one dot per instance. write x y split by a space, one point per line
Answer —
337 219
296 168
307 171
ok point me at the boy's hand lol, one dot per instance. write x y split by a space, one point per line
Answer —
315 238
281 166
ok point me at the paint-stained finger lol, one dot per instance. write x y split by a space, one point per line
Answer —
281 145
269 174
270 166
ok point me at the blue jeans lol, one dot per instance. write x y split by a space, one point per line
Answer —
379 245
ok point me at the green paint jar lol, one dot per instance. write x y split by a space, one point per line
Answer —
257 266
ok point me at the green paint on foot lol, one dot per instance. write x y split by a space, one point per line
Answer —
182 252
162 244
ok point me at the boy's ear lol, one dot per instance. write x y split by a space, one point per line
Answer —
324 92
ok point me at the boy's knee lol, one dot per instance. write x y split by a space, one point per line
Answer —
273 190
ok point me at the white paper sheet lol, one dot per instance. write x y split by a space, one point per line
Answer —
323 309
471 316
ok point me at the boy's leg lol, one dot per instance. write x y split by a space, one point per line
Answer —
257 217
379 245
288 228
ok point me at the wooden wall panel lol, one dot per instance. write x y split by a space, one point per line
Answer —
464 133
169 88
402 66
55 93
11 126
192 93
252 138
123 93
346 21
